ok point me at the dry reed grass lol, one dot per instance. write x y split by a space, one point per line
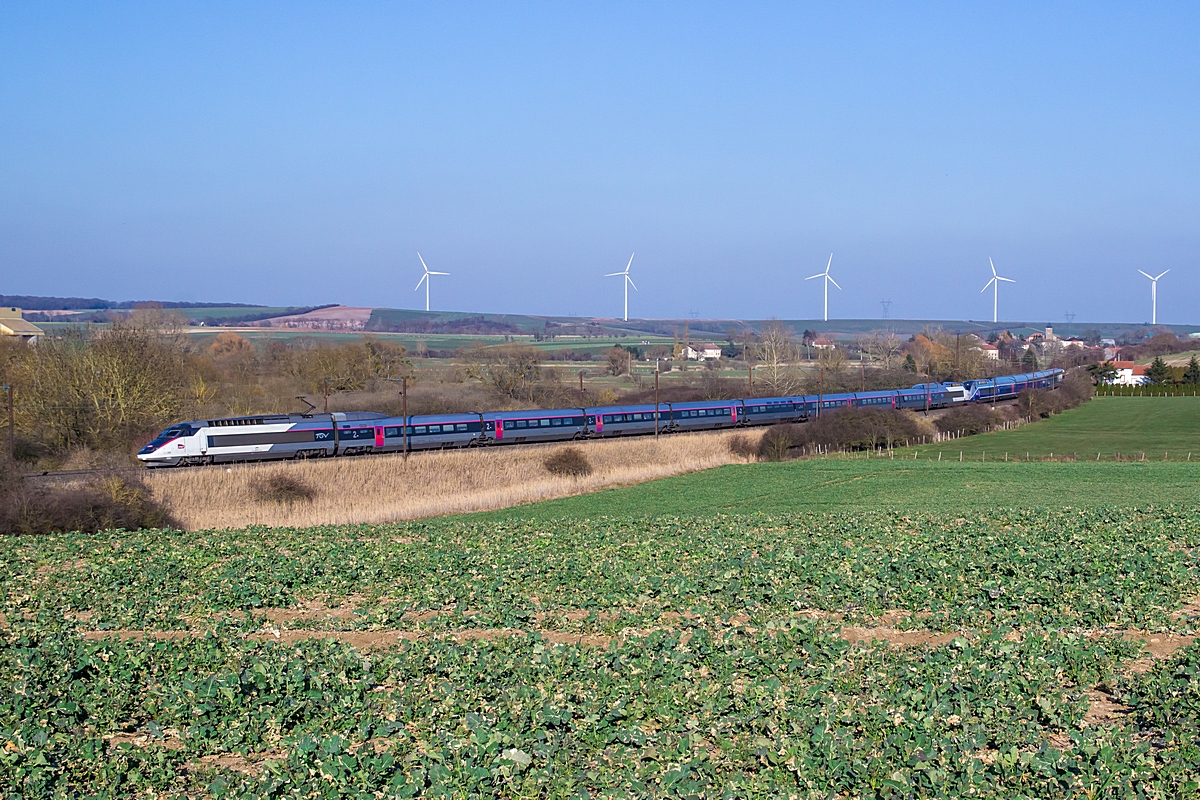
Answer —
373 489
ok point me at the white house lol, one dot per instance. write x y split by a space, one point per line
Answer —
701 352
990 350
13 324
1128 374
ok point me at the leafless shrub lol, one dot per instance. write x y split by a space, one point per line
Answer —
777 441
281 487
970 420
109 501
858 429
741 446
568 461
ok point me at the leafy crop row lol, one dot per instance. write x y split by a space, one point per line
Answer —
1061 568
797 713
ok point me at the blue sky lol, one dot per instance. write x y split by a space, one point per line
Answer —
293 153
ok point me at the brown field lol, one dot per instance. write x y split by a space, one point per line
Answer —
373 489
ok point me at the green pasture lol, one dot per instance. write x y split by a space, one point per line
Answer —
843 484
1160 427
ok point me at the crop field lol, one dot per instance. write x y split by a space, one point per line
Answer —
572 650
1159 427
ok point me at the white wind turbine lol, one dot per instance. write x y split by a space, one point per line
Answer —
995 284
628 282
1154 293
828 280
425 280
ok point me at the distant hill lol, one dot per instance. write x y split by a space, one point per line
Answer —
38 303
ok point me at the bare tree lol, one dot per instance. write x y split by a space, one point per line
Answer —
884 348
511 368
776 353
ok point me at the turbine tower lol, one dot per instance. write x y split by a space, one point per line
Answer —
828 280
628 282
425 280
1154 293
995 284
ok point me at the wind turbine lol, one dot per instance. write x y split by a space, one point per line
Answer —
995 284
1154 293
628 282
828 280
425 280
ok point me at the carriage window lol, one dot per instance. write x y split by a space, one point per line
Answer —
460 427
419 429
608 417
556 422
545 423
522 423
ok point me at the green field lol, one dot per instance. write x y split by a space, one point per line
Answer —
817 628
837 484
1160 427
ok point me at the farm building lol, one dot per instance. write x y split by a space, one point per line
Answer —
702 352
13 324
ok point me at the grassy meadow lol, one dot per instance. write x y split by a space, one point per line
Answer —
1163 428
816 628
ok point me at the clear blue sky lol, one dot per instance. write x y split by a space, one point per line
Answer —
295 153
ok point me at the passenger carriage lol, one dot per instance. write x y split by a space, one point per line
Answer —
429 432
769 410
608 421
709 415
539 425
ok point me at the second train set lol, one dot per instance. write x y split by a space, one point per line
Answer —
288 436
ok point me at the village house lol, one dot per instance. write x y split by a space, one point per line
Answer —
989 350
12 323
702 352
1128 374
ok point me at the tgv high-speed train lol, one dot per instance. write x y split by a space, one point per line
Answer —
284 436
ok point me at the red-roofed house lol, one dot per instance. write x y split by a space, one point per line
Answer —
1128 374
989 350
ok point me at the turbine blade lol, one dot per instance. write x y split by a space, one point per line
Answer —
1147 274
423 277
439 273
1164 272
828 265
631 283
630 264
422 262
993 265
987 286
818 275
831 280
1010 280
613 274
